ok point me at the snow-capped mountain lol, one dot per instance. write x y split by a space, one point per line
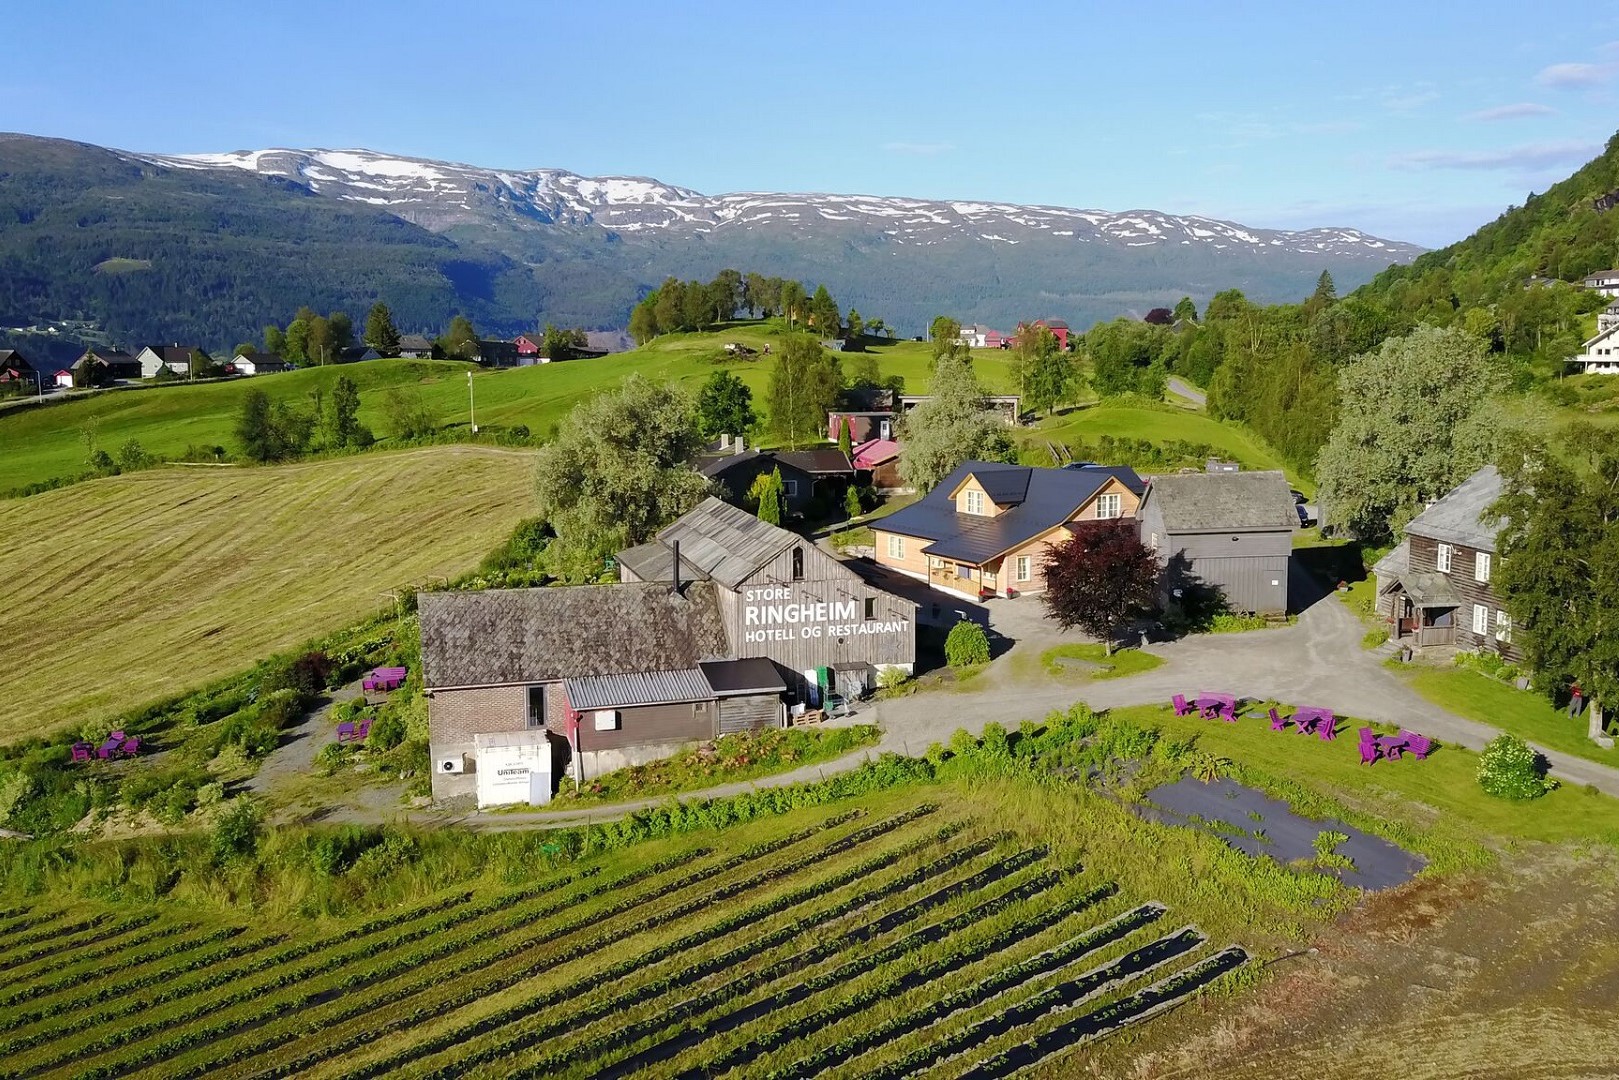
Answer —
442 195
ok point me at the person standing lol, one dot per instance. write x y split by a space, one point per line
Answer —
1576 700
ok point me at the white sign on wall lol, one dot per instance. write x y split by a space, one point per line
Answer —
514 773
772 613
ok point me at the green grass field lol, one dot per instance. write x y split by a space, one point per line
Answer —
127 589
41 443
1519 712
1158 425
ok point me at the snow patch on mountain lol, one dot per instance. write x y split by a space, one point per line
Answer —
442 195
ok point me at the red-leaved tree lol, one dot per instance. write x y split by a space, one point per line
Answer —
1101 579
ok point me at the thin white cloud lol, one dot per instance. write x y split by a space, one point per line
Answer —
920 149
1520 111
1576 76
1536 155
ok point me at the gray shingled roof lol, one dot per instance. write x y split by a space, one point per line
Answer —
1224 502
652 561
637 688
505 636
1460 517
726 543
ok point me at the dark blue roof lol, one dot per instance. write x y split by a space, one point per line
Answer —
1041 499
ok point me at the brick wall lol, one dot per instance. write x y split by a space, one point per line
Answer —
455 716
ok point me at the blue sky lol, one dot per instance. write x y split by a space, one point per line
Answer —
1418 121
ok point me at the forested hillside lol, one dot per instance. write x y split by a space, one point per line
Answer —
1514 286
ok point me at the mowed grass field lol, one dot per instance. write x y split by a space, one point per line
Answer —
1157 425
126 589
905 932
42 443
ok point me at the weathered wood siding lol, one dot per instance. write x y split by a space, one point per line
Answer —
1251 567
1425 558
649 724
753 712
802 645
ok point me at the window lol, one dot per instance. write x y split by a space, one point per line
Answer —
964 572
798 564
606 719
536 706
789 488
1503 626
1481 619
896 546
1109 506
871 608
972 502
1443 558
1025 567
1481 566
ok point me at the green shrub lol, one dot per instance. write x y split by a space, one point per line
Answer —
333 758
892 678
15 791
1374 637
1487 663
387 731
236 833
1510 769
1227 623
966 645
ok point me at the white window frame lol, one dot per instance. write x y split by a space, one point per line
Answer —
896 546
1442 559
1481 620
1114 502
972 502
1481 567
1503 627
789 488
1025 568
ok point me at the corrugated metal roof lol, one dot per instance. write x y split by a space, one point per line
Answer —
726 543
640 688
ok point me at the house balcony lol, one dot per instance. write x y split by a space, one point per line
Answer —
974 587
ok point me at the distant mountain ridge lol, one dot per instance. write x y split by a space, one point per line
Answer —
209 248
441 195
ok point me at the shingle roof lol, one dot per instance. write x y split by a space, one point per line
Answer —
1044 499
716 465
726 543
414 343
1461 517
653 561
505 636
637 688
1224 502
827 461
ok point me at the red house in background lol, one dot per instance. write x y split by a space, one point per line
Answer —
1058 328
530 345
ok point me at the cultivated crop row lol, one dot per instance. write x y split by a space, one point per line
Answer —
1133 1009
22 919
745 918
935 1011
1062 996
797 993
65 940
282 977
641 993
505 919
16 947
84 957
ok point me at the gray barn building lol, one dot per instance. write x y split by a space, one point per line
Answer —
1232 531
604 676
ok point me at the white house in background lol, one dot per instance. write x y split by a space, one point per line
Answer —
1600 355
1604 281
176 358
257 363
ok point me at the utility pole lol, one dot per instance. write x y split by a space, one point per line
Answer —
472 412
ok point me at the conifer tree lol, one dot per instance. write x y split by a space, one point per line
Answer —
380 332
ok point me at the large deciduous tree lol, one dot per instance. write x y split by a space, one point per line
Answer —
1558 574
460 341
617 472
804 385
1101 579
1414 420
952 426
724 406
1044 373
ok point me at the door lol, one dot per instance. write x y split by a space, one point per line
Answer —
887 429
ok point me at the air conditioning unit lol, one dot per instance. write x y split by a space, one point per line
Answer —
455 764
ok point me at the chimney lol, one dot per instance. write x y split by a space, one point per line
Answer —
740 444
725 442
674 577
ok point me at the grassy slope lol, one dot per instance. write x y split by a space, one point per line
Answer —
1520 712
126 589
1157 425
41 443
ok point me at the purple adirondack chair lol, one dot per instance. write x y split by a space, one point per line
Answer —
1369 751
1277 721
1419 745
83 751
131 746
1181 706
1327 728
363 730
345 731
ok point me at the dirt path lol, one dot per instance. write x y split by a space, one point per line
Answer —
294 757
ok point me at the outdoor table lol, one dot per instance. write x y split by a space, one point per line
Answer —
1391 746
1212 705
110 747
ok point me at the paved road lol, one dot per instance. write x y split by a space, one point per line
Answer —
1187 391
